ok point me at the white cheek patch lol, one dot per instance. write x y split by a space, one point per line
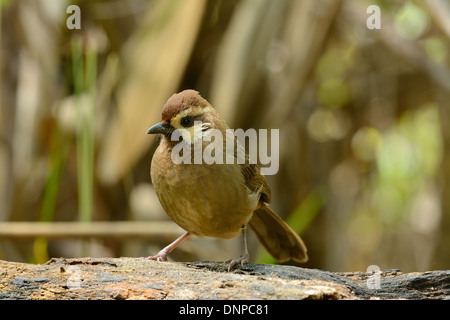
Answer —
195 133
205 129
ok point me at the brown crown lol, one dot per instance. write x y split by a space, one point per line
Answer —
182 101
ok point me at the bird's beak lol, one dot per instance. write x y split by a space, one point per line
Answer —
160 128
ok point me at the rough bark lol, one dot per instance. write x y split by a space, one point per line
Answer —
139 278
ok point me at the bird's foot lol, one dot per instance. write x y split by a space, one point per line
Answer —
245 258
161 256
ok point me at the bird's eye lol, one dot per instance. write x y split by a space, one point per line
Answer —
187 121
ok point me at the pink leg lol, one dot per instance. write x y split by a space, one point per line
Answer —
162 255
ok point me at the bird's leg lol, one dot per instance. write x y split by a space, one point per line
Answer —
162 255
245 257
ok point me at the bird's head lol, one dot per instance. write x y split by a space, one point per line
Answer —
189 111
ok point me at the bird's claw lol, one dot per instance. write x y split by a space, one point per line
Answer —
159 257
241 260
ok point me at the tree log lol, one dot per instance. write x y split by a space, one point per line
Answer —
140 278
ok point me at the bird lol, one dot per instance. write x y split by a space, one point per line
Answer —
214 199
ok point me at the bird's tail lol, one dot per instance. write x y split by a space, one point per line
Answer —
277 237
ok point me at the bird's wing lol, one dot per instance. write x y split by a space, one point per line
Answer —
253 178
255 181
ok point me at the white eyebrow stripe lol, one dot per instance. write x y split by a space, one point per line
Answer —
186 112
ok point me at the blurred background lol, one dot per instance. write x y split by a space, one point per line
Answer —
363 114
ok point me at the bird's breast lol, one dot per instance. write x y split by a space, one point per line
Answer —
205 200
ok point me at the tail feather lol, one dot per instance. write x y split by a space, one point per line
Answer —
277 237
